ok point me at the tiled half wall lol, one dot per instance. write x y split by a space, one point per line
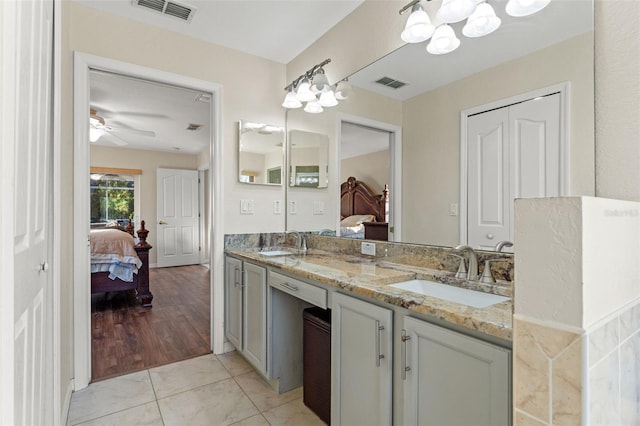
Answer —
563 377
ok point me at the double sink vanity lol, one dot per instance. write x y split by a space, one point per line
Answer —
410 343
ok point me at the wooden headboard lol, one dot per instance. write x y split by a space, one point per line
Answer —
357 198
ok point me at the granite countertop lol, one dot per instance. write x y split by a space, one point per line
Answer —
370 277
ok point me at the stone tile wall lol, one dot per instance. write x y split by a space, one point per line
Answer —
566 377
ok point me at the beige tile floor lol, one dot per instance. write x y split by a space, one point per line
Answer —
208 390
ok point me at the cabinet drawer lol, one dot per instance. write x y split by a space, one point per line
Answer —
307 292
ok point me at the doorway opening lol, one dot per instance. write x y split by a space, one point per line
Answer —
371 151
127 125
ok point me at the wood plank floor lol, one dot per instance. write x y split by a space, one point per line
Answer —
127 337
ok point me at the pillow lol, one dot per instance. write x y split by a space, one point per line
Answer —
357 219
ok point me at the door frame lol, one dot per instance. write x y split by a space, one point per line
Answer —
395 168
83 63
564 89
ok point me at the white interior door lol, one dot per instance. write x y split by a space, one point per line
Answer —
27 140
488 179
178 223
512 152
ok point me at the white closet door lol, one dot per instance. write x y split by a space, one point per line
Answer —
178 222
488 212
534 128
512 152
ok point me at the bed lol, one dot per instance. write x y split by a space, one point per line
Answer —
118 263
363 213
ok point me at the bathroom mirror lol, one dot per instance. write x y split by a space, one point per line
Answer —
260 153
308 159
549 48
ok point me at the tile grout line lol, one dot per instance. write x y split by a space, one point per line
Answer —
155 396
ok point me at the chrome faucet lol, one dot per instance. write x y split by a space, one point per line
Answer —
503 244
472 274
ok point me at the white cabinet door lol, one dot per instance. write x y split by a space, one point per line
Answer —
453 379
178 237
361 383
512 152
233 301
255 316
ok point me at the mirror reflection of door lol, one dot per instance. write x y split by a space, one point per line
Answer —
365 153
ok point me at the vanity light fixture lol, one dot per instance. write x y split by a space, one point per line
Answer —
480 16
314 89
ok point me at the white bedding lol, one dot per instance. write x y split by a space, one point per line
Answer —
114 251
352 231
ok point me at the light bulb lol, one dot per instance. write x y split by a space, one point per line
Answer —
328 99
481 22
418 27
291 101
313 107
320 83
343 90
304 93
519 8
444 40
456 10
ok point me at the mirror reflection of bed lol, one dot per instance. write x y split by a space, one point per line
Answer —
139 321
363 213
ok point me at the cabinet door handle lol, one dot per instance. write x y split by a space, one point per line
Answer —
289 286
379 355
236 280
404 337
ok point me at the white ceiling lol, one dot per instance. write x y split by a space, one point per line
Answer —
275 30
358 140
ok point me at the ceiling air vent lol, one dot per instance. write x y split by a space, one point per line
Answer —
390 82
170 8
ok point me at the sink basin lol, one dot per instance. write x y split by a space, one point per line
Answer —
275 253
477 299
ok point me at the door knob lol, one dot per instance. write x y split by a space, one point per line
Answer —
43 267
490 236
162 222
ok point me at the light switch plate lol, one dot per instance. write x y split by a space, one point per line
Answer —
318 207
453 209
246 206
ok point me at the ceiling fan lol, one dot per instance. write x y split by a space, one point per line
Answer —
98 128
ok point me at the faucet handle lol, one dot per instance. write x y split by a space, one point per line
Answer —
462 268
487 275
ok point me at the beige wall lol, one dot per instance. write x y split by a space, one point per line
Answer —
372 169
88 30
617 45
148 162
431 133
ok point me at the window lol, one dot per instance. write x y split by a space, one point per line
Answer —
112 198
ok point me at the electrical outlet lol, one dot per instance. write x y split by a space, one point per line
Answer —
368 248
453 209
293 207
276 207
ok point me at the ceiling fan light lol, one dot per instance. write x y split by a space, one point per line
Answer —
320 83
519 8
483 21
418 27
304 93
456 10
343 90
291 101
313 107
444 40
328 99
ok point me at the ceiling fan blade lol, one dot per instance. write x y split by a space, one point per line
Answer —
147 133
116 140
